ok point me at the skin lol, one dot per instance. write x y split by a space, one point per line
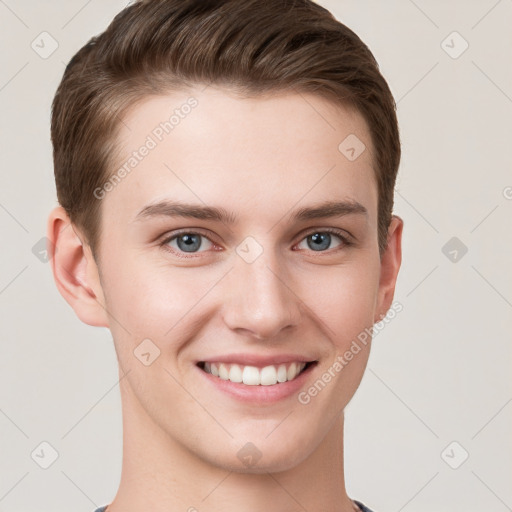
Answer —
261 159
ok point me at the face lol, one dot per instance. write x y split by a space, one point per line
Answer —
243 238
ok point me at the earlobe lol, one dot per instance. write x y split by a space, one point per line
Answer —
390 265
74 270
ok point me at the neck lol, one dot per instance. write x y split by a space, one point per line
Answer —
160 474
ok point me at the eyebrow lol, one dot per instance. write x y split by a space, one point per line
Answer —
322 210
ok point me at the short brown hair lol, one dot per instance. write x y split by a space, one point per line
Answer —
251 46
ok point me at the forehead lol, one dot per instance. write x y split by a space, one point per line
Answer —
259 155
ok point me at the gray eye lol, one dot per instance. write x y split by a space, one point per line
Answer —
189 242
319 241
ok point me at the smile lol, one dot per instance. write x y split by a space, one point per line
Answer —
252 375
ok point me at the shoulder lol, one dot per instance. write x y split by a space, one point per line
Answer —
101 509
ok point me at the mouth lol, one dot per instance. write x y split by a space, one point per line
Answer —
270 375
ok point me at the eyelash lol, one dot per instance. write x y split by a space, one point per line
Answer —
333 231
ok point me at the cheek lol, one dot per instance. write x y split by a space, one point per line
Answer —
152 300
343 299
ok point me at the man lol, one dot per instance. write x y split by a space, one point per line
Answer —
225 173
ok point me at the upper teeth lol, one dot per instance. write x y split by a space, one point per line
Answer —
253 376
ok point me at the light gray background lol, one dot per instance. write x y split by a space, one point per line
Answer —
438 373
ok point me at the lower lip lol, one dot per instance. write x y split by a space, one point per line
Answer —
259 394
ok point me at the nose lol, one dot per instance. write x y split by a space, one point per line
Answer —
259 299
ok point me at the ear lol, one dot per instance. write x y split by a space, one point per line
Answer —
389 267
74 270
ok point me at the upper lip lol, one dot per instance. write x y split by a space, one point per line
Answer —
258 359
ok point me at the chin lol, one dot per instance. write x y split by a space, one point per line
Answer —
262 456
